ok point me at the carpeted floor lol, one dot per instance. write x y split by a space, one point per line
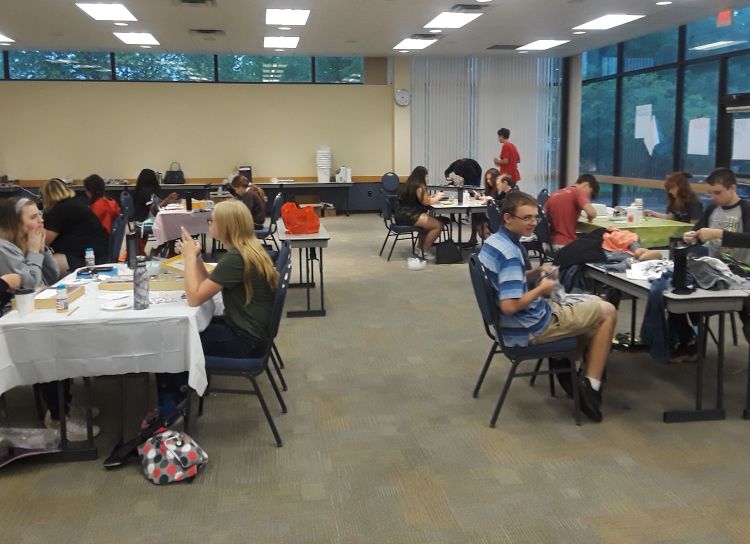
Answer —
383 442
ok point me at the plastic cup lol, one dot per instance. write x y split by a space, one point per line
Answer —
25 301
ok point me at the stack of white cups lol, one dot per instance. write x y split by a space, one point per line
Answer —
323 161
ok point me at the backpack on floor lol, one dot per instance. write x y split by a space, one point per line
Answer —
171 456
448 253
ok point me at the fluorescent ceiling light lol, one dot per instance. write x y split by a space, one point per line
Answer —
137 38
449 19
435 31
121 24
5 39
663 3
413 43
107 12
717 45
287 17
482 1
282 42
404 51
608 21
578 32
285 28
541 45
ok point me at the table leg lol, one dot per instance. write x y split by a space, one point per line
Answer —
346 189
746 411
309 284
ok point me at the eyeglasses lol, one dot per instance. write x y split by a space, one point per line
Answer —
528 219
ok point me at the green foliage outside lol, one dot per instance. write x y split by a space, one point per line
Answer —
650 50
598 127
339 70
701 87
739 75
59 65
249 68
164 67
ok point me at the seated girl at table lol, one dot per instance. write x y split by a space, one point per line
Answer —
683 203
246 278
22 248
413 200
146 186
105 209
496 186
71 227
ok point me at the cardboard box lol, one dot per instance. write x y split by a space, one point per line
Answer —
312 201
176 265
163 282
329 211
74 292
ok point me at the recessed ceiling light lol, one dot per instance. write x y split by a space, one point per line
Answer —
435 31
449 19
107 12
483 1
279 50
608 21
663 3
121 24
145 47
136 38
579 32
5 39
541 45
281 42
404 51
285 28
413 43
717 45
523 51
287 17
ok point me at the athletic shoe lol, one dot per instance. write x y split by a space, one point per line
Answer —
74 428
591 401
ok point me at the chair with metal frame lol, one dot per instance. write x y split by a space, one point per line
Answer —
397 232
390 183
494 216
487 299
268 232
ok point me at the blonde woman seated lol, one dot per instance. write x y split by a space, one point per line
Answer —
246 279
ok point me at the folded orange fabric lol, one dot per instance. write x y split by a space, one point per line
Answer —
618 240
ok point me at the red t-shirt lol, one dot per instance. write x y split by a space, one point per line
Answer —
106 210
563 210
510 152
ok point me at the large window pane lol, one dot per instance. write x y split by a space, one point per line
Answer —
646 150
164 67
59 65
700 95
605 194
598 127
339 70
651 50
739 75
248 68
2 65
653 199
599 62
740 162
704 38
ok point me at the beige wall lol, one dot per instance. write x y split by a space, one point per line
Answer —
402 118
115 129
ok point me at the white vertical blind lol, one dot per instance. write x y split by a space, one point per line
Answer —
458 105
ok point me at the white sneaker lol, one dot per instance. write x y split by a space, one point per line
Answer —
429 257
79 412
75 429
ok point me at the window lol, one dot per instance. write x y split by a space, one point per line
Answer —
650 50
2 65
605 194
248 68
646 147
598 127
699 105
59 65
739 75
339 70
711 40
599 62
164 67
653 199
740 162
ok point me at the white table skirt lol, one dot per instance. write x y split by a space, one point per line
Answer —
46 346
167 224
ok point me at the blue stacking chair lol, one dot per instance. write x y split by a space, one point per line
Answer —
390 183
252 367
494 216
268 232
116 237
542 197
283 260
542 246
487 300
397 232
127 205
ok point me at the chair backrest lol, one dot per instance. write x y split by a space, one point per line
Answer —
494 216
284 256
116 237
127 205
543 230
155 204
390 183
542 197
486 297
279 298
276 209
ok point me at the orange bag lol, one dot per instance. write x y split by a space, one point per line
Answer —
299 220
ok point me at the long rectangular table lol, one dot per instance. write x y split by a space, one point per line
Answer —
291 188
652 231
702 302
467 207
313 245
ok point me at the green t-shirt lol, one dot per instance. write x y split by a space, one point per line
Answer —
252 319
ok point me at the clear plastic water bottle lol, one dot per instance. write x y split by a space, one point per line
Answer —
140 284
61 299
90 259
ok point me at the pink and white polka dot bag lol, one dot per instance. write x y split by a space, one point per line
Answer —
171 456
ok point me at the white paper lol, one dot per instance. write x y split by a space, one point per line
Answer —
699 131
651 139
642 120
115 295
47 294
741 140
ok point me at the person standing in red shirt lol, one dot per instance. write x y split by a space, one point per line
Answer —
509 158
564 208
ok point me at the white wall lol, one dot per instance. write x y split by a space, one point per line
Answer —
574 120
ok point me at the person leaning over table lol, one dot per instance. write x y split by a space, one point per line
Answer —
146 186
725 226
246 278
683 203
528 317
413 201
251 196
564 207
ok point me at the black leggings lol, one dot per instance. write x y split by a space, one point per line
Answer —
52 399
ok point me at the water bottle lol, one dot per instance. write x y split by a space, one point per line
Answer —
140 284
61 299
188 201
131 246
90 259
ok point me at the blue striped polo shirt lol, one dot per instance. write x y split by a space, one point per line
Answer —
503 257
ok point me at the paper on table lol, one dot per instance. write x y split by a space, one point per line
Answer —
642 120
115 295
47 294
699 131
741 140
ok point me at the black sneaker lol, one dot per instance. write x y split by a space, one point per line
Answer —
591 401
564 378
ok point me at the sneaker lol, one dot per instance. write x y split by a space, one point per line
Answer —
684 354
74 428
429 257
591 401
172 420
79 412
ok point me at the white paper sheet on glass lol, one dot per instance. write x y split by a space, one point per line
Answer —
642 120
741 140
699 131
651 140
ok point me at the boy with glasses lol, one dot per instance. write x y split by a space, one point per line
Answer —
528 317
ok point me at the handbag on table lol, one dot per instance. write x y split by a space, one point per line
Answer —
174 175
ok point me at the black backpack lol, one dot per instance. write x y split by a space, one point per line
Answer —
448 252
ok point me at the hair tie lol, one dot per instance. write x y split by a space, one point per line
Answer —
20 204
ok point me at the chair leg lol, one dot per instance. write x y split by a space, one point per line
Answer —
276 391
266 412
188 409
276 367
38 403
485 368
576 393
532 381
734 328
3 410
203 397
503 394
387 235
551 380
275 351
393 245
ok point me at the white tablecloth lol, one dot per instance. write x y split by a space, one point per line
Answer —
46 346
167 224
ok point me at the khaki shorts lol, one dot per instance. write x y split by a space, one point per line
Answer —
570 320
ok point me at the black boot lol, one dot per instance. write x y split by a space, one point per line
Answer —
591 401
